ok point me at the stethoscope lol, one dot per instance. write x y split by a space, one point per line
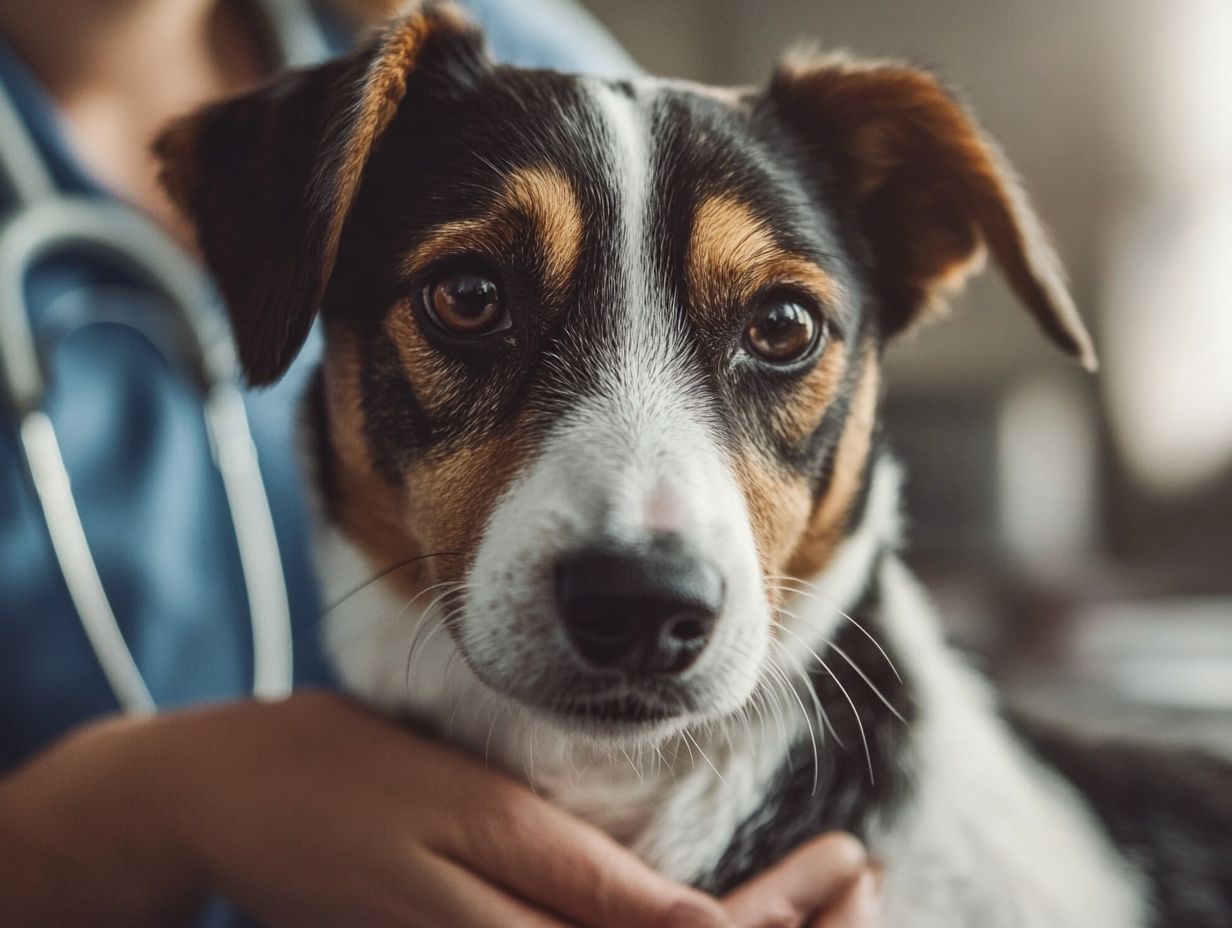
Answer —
44 221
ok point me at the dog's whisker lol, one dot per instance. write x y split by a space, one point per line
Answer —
449 586
381 575
689 747
725 731
457 704
872 777
379 620
413 655
863 676
808 722
823 716
779 707
818 658
659 751
705 757
757 702
636 770
772 705
811 594
423 624
846 657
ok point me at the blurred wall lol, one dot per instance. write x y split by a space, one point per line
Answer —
1042 76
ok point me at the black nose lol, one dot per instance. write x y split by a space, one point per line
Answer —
647 612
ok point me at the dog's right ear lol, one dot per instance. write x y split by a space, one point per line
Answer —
268 178
930 191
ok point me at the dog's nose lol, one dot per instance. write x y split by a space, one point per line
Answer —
649 612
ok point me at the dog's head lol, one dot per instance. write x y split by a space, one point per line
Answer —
606 352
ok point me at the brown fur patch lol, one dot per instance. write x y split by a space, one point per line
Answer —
827 525
778 507
796 420
424 366
541 196
383 87
733 255
368 509
790 538
444 500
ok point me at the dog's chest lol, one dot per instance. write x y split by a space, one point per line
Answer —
676 806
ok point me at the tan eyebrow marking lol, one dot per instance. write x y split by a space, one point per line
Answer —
733 254
541 195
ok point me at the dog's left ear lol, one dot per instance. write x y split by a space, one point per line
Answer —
930 191
268 179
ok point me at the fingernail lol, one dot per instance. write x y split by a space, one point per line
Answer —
693 915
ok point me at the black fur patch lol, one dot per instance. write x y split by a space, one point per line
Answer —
1169 811
847 794
395 425
315 425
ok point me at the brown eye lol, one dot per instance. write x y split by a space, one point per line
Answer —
466 303
782 330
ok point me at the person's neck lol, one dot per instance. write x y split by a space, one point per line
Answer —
119 69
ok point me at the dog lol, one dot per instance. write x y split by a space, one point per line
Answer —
599 412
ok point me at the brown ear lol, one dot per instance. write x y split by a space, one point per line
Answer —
930 190
268 179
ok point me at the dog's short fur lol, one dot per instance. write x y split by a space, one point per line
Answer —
635 228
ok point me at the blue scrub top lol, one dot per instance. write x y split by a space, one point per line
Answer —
134 440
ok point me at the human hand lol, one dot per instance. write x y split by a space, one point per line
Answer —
828 883
307 812
314 811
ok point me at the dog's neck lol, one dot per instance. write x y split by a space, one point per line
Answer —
675 803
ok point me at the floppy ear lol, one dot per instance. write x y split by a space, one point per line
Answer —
268 178
930 191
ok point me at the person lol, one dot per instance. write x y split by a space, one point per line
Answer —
304 811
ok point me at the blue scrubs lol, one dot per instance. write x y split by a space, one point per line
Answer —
135 445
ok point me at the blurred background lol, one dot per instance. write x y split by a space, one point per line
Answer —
1076 530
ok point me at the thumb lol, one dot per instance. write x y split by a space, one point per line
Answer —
859 908
808 880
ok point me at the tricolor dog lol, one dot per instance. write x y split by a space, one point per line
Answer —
599 407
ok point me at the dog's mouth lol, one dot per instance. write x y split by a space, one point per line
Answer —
618 711
614 709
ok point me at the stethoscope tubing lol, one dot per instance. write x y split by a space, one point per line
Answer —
44 222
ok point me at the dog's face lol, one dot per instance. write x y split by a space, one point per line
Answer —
604 355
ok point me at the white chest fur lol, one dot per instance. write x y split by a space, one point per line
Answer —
991 838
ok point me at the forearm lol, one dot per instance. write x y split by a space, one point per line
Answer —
83 838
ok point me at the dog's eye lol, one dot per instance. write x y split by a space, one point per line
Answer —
783 330
466 303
